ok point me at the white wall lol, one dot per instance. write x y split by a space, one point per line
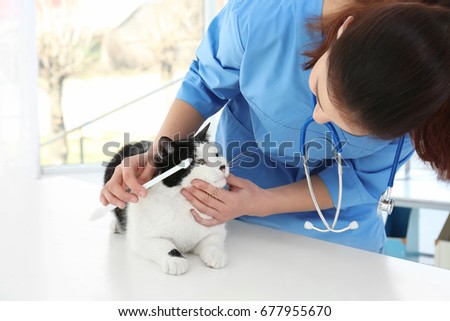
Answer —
19 152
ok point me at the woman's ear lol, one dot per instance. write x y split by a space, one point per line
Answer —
344 26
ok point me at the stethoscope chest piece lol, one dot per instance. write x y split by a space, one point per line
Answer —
386 203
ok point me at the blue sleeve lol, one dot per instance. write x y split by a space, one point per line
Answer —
365 178
213 77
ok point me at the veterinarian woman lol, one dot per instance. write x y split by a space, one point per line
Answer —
378 70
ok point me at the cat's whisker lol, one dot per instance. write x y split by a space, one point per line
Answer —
241 154
237 159
236 162
238 155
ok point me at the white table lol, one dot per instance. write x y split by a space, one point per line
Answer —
49 250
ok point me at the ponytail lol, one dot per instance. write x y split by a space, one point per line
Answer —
432 141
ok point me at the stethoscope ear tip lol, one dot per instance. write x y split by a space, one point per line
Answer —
353 225
308 225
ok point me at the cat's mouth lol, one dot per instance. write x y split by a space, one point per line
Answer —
222 180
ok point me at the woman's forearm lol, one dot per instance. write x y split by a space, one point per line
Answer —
295 197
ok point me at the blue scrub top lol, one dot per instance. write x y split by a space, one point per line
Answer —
249 65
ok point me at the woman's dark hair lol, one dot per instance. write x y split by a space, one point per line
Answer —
389 72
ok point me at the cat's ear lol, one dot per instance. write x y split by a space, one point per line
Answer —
201 135
165 147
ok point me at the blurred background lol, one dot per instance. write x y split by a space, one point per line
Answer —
103 64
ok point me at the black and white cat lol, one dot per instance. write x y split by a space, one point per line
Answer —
160 227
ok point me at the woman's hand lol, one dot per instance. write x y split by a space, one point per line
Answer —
130 174
242 198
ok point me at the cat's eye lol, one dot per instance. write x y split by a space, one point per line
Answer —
217 154
200 161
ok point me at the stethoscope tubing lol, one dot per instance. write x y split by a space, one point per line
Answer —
338 157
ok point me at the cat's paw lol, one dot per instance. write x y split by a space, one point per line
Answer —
214 257
175 265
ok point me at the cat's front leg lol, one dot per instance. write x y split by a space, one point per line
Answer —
211 250
163 252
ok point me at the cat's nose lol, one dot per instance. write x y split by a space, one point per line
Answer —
222 168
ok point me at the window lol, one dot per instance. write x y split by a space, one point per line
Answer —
101 65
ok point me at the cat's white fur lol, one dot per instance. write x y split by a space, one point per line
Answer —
163 221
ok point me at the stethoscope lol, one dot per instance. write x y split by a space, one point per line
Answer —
385 204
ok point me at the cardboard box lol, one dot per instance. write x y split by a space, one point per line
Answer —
442 247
